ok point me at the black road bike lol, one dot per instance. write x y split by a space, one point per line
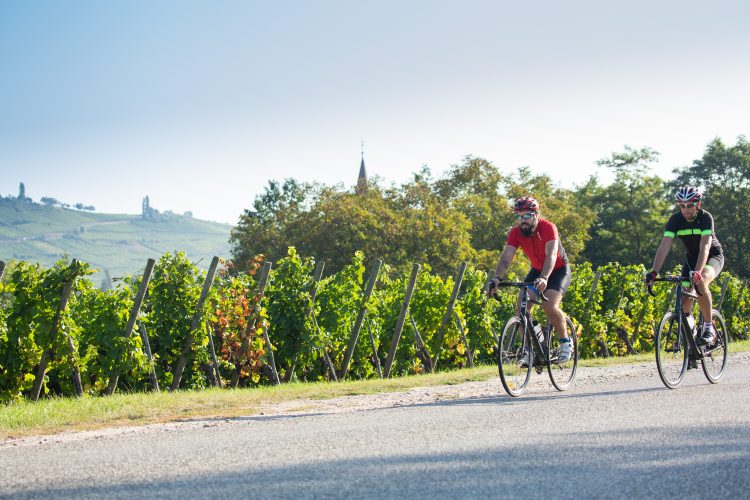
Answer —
522 338
675 344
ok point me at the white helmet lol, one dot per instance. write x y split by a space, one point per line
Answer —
688 193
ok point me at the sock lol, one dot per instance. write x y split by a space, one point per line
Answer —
565 340
707 325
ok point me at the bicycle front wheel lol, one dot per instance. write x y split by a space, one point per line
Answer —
562 373
715 358
513 349
671 350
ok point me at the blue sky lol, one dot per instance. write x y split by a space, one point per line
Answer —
200 104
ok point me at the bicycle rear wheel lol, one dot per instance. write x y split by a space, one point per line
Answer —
671 350
511 351
715 359
562 373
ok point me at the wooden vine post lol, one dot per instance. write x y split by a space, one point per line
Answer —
401 319
375 358
149 356
264 275
317 275
135 310
469 352
309 312
421 349
358 322
187 346
721 297
602 343
449 314
212 352
42 368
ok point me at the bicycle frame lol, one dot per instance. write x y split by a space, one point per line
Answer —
524 315
685 331
675 335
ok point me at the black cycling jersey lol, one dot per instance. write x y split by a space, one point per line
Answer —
690 232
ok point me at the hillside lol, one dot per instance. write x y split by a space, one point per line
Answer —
114 243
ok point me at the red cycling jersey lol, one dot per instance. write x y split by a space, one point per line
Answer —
534 246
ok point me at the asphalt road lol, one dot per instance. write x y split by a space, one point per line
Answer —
621 438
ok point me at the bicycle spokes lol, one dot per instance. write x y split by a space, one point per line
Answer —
671 351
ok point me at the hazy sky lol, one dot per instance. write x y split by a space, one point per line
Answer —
200 104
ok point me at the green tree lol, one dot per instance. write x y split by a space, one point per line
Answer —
341 222
431 232
473 188
630 212
724 172
264 228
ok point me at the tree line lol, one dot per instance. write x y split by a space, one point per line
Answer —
465 214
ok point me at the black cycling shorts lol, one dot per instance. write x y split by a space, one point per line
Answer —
716 262
559 279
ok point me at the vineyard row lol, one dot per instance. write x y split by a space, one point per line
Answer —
176 326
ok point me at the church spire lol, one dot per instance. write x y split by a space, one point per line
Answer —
362 179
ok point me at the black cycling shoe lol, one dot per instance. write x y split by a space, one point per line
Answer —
692 364
707 338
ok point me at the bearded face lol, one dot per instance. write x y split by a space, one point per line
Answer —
527 222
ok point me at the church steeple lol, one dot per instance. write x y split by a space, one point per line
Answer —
362 179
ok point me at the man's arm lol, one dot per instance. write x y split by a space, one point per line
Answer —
705 246
505 259
502 267
550 249
662 252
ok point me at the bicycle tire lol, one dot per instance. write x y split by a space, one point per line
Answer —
562 374
715 359
671 348
509 354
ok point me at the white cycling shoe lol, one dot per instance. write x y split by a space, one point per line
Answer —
565 352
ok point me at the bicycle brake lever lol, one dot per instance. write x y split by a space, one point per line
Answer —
539 294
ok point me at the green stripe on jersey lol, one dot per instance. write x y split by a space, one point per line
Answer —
706 232
687 232
668 234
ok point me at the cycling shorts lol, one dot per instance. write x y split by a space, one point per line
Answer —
716 263
559 279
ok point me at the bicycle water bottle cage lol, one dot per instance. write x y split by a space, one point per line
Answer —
690 320
538 330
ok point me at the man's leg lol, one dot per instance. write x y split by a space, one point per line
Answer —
709 273
705 301
553 312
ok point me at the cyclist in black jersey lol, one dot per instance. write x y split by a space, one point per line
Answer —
703 253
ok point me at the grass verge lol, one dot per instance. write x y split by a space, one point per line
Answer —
56 415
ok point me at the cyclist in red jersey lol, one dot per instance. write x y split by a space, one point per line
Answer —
550 271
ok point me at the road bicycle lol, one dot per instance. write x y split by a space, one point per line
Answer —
522 337
675 342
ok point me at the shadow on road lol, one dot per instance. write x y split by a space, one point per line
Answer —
587 465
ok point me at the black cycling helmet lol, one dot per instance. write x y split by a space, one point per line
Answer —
526 204
688 193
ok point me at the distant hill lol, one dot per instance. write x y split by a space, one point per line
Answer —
116 244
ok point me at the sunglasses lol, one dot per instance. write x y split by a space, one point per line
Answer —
525 216
686 205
